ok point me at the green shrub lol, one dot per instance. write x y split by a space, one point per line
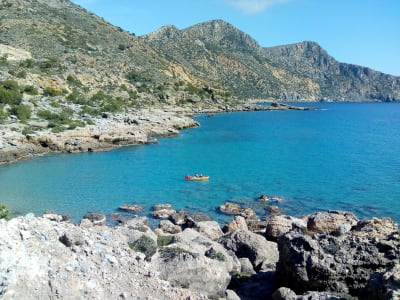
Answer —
213 254
10 92
27 130
134 76
3 115
164 240
23 112
31 90
21 74
51 92
72 80
145 245
27 63
4 212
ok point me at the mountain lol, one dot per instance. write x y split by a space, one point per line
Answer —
62 64
219 52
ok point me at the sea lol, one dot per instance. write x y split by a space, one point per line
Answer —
343 156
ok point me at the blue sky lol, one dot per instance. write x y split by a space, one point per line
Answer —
362 32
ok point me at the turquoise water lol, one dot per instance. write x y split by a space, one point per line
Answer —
346 156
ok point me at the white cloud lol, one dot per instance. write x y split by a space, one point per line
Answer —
253 6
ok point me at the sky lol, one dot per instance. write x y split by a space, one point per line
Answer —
361 32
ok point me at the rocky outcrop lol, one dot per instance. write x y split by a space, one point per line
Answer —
194 261
105 134
47 257
43 259
331 222
260 252
338 263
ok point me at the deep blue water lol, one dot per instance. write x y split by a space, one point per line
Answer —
346 156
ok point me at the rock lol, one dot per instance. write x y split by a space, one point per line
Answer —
331 221
256 225
163 211
231 295
168 227
248 213
230 208
246 267
72 238
385 285
273 209
96 264
235 209
96 218
238 223
377 226
284 293
210 229
53 216
139 223
131 208
277 225
178 218
252 246
195 262
340 264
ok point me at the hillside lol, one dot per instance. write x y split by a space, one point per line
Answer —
218 51
61 67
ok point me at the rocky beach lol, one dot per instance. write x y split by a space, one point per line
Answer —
325 255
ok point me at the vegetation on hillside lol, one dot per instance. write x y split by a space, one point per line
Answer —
63 65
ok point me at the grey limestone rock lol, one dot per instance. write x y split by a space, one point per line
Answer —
253 246
341 264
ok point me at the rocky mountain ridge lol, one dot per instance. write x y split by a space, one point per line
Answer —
302 71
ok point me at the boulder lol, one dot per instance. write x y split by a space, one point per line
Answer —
277 225
163 211
131 208
195 262
340 264
210 229
385 285
284 293
246 267
168 227
96 218
230 208
238 223
331 222
252 246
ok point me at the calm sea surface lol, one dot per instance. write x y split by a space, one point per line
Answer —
346 156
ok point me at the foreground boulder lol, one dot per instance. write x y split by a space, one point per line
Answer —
338 263
260 252
195 262
43 259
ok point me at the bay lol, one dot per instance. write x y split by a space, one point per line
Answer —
345 156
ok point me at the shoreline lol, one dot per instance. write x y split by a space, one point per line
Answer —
113 131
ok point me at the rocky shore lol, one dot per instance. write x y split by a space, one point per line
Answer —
325 255
111 130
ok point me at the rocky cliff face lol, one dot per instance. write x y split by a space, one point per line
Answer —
336 81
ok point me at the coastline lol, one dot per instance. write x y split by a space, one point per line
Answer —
112 131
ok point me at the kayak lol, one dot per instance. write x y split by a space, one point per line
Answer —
197 177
